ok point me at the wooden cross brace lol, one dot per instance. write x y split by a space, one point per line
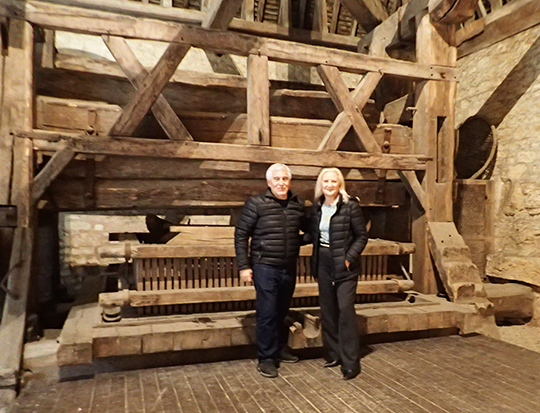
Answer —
137 75
350 107
148 89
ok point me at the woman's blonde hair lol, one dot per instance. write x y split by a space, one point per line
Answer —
342 191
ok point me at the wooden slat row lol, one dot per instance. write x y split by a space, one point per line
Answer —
152 274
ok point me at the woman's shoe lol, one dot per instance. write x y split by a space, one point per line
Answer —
350 374
332 363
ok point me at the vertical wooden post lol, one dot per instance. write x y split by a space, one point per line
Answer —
49 50
320 17
258 101
16 174
16 111
433 135
248 12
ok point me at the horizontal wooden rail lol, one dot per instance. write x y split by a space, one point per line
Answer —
129 250
228 294
95 22
46 141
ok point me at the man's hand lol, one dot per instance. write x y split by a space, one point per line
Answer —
347 264
246 275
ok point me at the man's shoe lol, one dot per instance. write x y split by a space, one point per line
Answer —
267 369
350 374
286 357
332 363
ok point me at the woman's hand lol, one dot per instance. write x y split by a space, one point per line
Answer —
347 264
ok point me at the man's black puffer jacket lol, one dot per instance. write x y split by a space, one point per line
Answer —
274 231
348 237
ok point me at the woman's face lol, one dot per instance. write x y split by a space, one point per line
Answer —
330 185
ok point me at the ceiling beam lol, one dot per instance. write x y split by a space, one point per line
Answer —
368 13
501 24
99 23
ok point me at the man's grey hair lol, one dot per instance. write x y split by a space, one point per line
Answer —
277 167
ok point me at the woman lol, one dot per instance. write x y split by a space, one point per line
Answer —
339 236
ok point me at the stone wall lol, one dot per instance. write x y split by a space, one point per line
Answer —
501 84
82 233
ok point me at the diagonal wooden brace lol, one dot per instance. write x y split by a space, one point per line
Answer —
136 73
150 89
350 108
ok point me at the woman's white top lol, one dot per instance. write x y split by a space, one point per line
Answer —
324 226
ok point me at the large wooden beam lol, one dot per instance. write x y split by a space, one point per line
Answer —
224 152
227 294
195 17
12 327
220 14
433 134
214 249
99 23
368 13
136 73
154 194
398 27
17 97
258 101
500 24
452 11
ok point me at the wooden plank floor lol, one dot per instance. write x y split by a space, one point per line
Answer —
436 375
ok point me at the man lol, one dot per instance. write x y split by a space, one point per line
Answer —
272 220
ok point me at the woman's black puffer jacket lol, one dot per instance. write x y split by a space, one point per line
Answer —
274 231
348 237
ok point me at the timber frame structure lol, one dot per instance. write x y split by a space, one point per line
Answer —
337 127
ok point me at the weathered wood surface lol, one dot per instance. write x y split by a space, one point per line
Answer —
12 327
99 23
224 247
433 132
368 13
220 14
429 375
452 11
397 28
149 90
98 81
137 74
229 294
46 141
258 101
17 88
452 257
71 115
227 193
498 25
192 16
50 171
346 104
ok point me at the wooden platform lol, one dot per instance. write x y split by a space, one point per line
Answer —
436 375
86 337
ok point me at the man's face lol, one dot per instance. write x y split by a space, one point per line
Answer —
279 184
